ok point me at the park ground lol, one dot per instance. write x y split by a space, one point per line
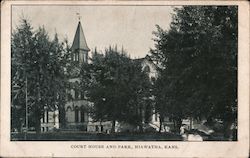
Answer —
83 136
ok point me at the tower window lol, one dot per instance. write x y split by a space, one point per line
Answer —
74 57
85 57
77 56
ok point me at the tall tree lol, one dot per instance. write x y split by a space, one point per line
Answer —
198 57
38 61
117 87
21 49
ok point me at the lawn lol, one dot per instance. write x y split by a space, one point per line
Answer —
83 136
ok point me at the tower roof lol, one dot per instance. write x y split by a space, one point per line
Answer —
79 39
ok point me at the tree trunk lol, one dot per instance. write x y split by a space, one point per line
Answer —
141 120
227 130
160 124
140 128
37 120
191 123
38 110
178 124
113 127
38 126
174 124
61 116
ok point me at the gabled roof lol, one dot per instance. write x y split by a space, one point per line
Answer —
79 39
146 58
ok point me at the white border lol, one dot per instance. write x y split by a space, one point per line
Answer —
185 149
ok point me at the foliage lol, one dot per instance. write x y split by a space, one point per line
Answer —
39 61
117 86
198 61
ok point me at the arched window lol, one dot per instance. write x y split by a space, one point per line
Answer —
82 94
76 89
76 114
76 94
147 69
47 116
68 108
69 97
153 79
82 115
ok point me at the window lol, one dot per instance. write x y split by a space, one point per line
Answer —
47 116
147 69
82 94
153 79
68 108
82 116
77 56
101 128
43 119
85 58
76 114
69 97
76 94
73 56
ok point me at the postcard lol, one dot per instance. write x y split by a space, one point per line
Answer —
124 79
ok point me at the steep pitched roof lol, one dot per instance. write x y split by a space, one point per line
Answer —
79 39
148 59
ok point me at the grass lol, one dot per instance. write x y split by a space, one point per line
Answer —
83 136
86 136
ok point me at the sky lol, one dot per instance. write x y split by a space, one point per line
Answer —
127 26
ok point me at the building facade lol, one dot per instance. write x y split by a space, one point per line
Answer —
77 115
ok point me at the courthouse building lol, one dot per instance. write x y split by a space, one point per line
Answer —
77 115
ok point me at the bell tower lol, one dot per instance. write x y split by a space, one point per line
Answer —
79 48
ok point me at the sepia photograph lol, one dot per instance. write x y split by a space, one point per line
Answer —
124 78
124 73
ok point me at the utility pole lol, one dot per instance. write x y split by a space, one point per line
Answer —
26 108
